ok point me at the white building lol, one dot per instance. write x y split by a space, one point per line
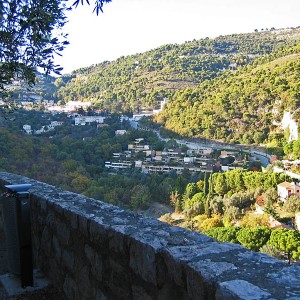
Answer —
27 129
40 131
73 105
188 160
120 132
118 165
83 120
286 189
54 124
138 163
69 107
203 151
138 148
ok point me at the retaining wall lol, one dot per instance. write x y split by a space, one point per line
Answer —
93 250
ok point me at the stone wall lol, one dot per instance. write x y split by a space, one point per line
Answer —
92 250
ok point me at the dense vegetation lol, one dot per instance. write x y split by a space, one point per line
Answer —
223 206
242 106
139 81
232 88
73 157
44 88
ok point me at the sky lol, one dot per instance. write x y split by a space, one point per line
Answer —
134 26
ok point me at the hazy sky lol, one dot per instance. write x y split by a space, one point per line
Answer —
133 26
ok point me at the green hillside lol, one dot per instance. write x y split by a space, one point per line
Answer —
242 106
43 89
139 81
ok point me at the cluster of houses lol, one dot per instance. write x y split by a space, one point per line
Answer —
141 155
43 129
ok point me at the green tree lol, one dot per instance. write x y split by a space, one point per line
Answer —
195 205
224 234
292 204
254 238
80 183
216 205
140 197
271 196
271 250
220 184
287 241
174 198
213 222
199 198
201 185
30 35
252 220
231 214
296 149
190 191
27 38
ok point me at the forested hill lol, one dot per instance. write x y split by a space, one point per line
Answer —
243 106
139 81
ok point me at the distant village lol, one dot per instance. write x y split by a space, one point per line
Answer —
71 109
142 156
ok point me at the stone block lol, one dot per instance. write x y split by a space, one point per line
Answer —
98 233
54 271
172 269
117 278
171 290
240 289
118 239
142 261
68 261
95 261
70 288
83 224
84 282
45 244
71 219
63 233
139 293
100 295
196 287
56 248
211 270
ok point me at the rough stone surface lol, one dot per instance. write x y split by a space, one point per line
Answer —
241 289
92 250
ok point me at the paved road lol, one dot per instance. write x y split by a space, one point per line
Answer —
264 160
254 150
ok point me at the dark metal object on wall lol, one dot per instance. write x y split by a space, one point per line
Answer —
17 225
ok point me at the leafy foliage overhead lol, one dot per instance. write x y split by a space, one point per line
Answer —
98 4
30 36
27 40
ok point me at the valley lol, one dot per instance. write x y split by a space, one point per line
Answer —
193 134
